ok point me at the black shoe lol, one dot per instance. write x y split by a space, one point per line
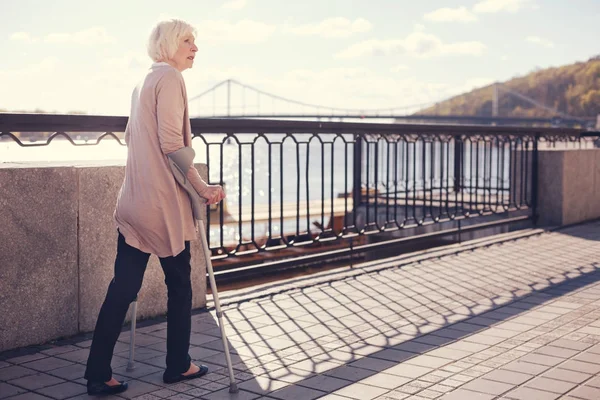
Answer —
102 389
178 378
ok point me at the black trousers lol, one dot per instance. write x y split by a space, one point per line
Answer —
130 265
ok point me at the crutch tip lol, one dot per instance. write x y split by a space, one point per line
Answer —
233 388
130 367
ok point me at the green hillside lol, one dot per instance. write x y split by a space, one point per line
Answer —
571 89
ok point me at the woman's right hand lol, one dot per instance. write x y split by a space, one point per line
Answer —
213 194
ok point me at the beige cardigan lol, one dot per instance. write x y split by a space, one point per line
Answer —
153 212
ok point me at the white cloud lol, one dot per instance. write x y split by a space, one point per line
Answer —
398 68
244 31
493 6
95 35
540 41
332 27
417 44
23 37
234 4
460 14
419 27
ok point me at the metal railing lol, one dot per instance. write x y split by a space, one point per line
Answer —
303 192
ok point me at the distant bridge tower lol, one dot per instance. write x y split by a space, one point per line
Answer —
495 101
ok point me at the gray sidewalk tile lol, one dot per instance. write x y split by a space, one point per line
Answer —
488 387
37 381
462 394
7 390
551 385
586 392
63 390
525 393
294 392
360 391
505 376
15 372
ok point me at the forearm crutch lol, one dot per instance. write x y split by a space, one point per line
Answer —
131 362
213 285
180 162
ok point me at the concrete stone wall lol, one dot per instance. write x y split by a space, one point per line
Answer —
57 250
38 255
568 186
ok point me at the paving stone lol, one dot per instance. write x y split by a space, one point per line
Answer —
505 376
7 390
525 367
164 393
140 370
295 392
450 354
79 356
586 392
262 385
361 391
551 385
580 366
146 396
408 371
351 373
387 381
462 394
372 364
336 397
47 364
588 357
138 388
26 359
36 381
525 393
392 355
181 396
488 387
595 382
553 351
71 372
29 396
566 375
14 372
428 361
570 344
541 359
63 390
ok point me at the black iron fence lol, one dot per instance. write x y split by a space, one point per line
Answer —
301 192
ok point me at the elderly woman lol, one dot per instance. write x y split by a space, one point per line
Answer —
153 213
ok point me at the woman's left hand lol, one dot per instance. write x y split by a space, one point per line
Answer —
213 194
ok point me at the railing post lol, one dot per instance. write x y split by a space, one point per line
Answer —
534 179
458 163
357 171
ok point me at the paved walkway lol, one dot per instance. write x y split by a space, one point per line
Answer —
512 317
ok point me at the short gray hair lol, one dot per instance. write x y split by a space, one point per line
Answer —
164 39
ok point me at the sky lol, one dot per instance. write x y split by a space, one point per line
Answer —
63 55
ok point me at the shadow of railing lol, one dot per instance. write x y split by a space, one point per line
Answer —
353 327
331 331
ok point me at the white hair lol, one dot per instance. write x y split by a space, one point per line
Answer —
164 39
